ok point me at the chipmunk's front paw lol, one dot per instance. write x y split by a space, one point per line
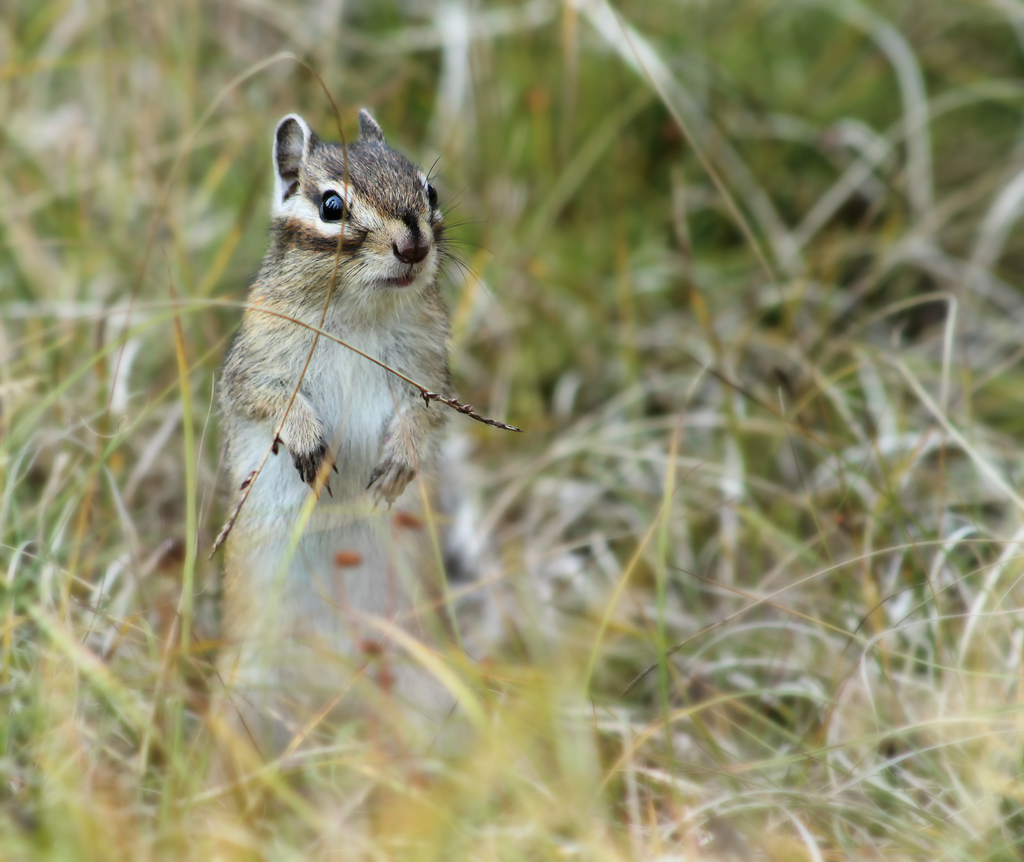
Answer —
309 463
389 478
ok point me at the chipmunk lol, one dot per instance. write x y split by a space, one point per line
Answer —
314 580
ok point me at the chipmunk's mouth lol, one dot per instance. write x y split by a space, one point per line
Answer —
403 280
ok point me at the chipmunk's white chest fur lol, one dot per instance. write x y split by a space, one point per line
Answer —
356 400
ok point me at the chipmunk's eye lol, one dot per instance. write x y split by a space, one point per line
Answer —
432 196
332 207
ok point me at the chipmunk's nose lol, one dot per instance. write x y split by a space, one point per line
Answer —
411 252
415 245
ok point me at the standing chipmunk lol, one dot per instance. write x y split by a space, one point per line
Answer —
314 580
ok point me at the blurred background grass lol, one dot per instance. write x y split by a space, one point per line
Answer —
748 273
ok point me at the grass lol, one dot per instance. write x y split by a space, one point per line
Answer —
748 273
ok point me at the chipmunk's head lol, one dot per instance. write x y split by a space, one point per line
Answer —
379 207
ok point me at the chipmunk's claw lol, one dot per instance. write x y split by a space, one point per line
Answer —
389 479
308 464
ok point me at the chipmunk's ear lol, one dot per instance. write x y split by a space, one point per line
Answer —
368 128
293 142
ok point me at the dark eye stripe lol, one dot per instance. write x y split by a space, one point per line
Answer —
296 233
